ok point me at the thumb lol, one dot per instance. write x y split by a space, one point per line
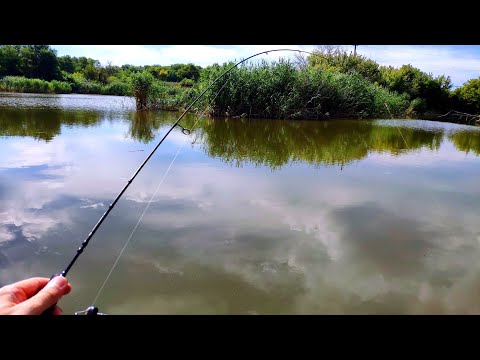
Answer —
45 298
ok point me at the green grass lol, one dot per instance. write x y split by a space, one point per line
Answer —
80 86
279 90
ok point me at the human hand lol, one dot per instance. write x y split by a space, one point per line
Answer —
33 296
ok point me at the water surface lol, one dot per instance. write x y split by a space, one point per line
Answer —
254 217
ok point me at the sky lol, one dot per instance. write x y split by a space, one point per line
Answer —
460 62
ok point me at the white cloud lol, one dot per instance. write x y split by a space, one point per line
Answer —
202 55
458 62
299 233
440 60
34 224
29 152
93 206
5 235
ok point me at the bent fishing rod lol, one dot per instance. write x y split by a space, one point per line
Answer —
93 310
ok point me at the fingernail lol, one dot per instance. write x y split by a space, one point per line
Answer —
58 281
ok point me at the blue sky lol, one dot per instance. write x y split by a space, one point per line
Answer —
459 62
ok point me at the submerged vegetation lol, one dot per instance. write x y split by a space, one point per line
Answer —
329 83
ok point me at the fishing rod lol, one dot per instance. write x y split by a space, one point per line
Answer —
93 310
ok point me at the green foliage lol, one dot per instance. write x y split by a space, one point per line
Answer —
84 75
117 88
90 72
60 87
468 96
337 60
168 96
142 84
188 71
22 84
389 103
416 106
67 64
9 61
187 82
335 83
75 83
38 61
81 85
435 91
279 90
175 73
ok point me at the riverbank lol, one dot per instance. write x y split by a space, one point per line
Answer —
20 84
328 83
175 104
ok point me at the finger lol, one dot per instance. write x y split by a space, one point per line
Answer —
45 298
57 311
25 289
69 288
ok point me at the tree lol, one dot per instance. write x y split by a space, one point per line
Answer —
9 60
468 95
333 58
66 63
92 71
39 62
142 85
188 71
417 84
300 60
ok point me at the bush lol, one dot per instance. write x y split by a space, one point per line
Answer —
417 84
60 87
117 88
187 82
468 96
279 90
142 85
22 84
169 96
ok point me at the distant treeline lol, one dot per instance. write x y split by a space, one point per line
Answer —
328 83
38 69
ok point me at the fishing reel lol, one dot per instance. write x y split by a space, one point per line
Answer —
91 310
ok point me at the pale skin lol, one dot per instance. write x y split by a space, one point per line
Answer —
33 296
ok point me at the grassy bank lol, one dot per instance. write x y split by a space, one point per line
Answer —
280 90
329 82
24 85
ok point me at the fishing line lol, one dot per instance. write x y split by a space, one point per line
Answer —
93 309
432 197
84 244
395 121
186 132
140 219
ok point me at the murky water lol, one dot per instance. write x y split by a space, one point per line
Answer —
254 217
